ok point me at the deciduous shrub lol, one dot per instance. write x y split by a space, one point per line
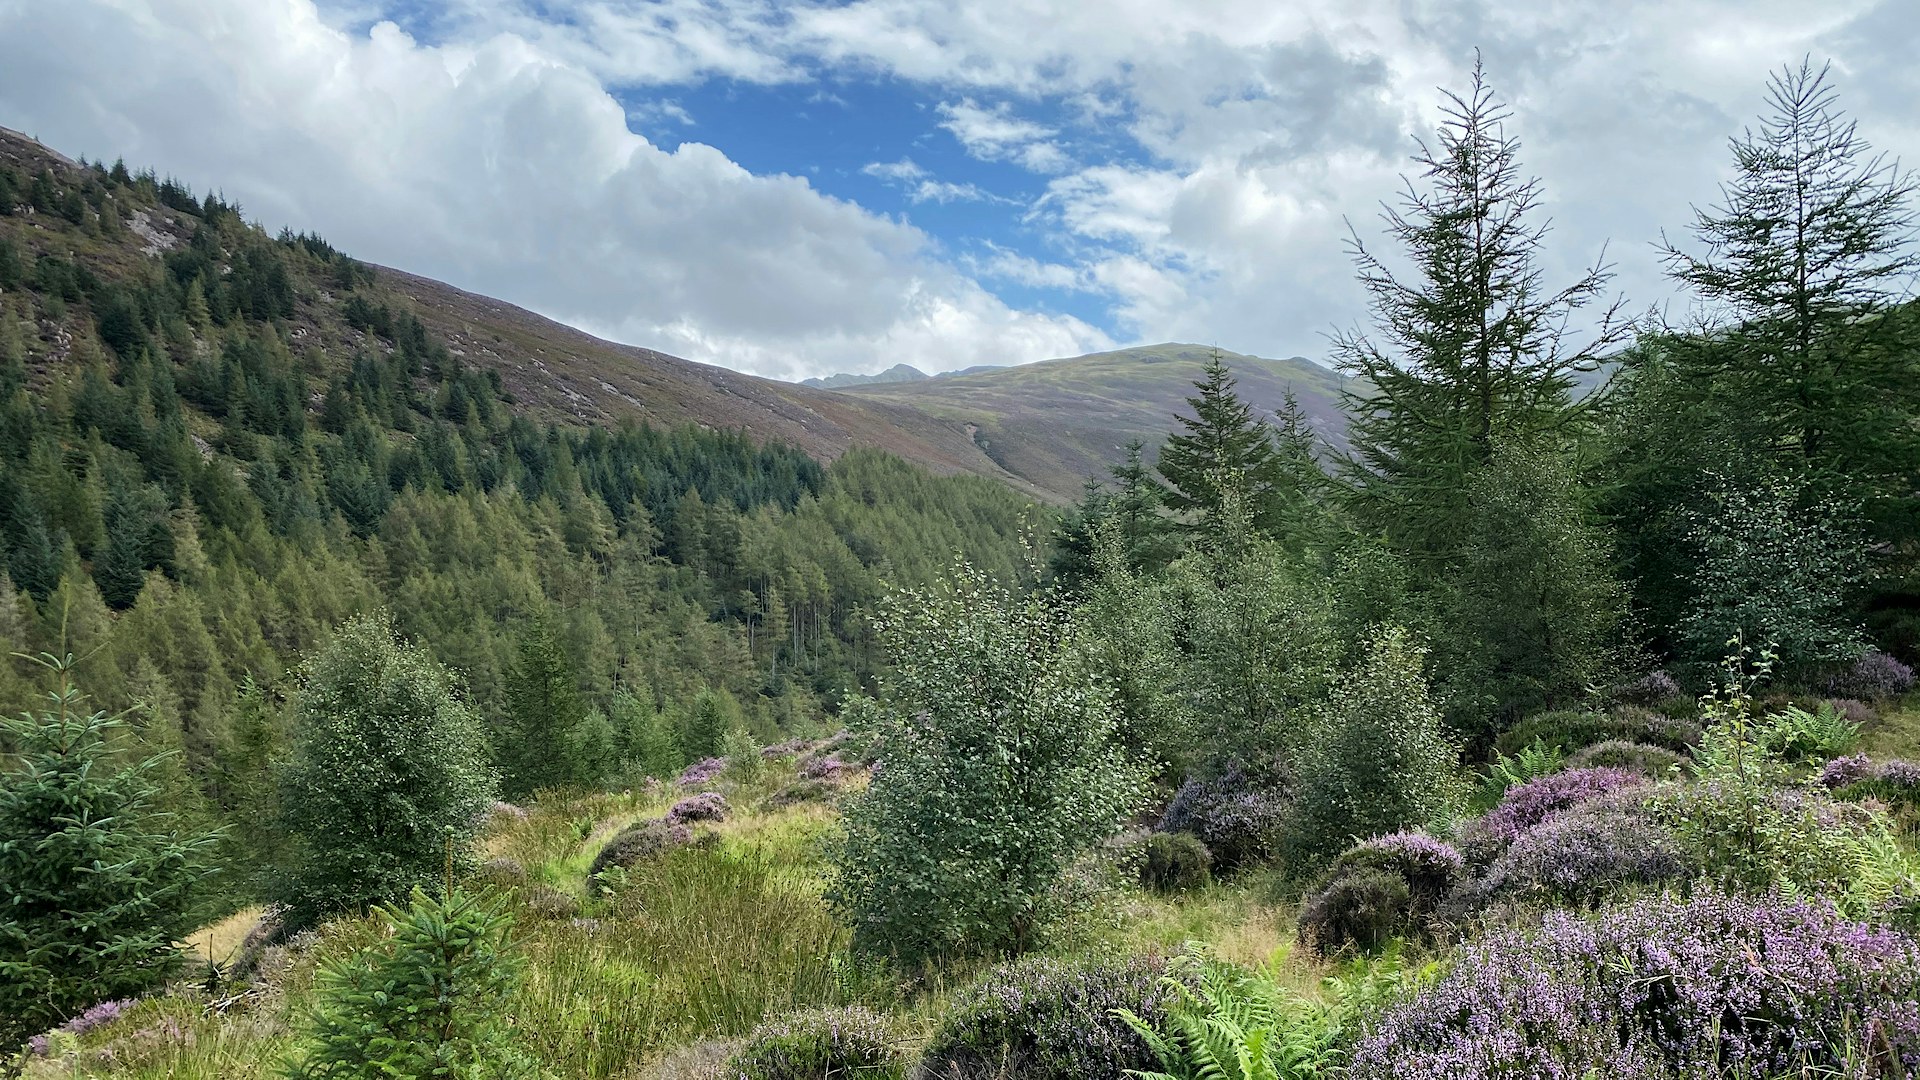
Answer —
1873 676
386 779
819 1044
1663 988
426 1002
1654 762
1175 862
997 772
1378 759
1238 816
1043 1018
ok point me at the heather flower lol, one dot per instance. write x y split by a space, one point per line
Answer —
706 806
1042 1018
1379 889
638 842
1650 761
1584 854
1899 773
703 772
1650 689
105 1012
1238 819
1663 988
1875 675
1430 866
789 748
824 767
1533 802
1842 771
818 1043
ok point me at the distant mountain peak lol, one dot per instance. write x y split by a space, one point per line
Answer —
898 373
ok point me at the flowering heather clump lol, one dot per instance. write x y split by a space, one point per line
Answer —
1856 712
1431 867
1572 730
1842 771
824 767
1584 854
703 772
1650 689
789 748
1535 801
706 806
1651 761
1875 675
1715 986
1043 1018
104 1013
638 842
1900 773
818 1043
1239 820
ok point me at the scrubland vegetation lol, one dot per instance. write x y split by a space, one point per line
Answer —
1545 734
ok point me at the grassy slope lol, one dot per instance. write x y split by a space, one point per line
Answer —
1059 421
702 945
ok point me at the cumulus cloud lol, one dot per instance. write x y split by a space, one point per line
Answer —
1200 162
506 169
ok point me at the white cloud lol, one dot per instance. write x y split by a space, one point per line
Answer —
504 169
923 188
1199 158
995 134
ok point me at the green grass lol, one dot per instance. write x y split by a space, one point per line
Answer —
698 946
1896 732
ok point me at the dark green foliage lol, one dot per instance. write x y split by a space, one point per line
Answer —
387 778
1363 908
803 791
1048 1019
1175 862
1224 454
96 882
544 714
1574 730
430 1001
1471 354
821 1044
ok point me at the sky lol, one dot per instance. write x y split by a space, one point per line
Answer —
801 188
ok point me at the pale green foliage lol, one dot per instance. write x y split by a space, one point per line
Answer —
1259 627
387 778
1227 1022
1378 759
1771 564
1531 609
1534 760
742 752
96 882
1801 735
997 768
426 1003
1128 622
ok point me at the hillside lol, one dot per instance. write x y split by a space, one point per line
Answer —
896 374
552 372
1057 422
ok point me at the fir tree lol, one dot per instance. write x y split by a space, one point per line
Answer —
1222 451
96 882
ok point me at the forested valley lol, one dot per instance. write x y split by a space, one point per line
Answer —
1559 724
